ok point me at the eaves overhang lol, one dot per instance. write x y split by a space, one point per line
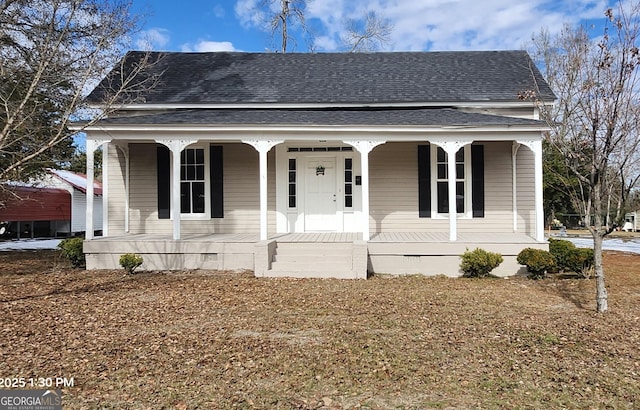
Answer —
337 105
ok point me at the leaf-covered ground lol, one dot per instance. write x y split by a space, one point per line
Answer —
221 340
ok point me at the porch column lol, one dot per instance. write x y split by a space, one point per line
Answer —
514 184
125 153
176 147
451 148
91 145
263 147
364 148
536 147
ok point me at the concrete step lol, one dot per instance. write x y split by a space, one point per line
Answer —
343 260
313 259
311 266
297 273
315 248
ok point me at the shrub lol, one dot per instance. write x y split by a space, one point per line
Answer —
561 251
130 262
580 261
479 263
72 250
537 261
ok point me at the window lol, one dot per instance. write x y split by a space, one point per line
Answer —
348 182
201 192
192 181
433 187
442 181
292 182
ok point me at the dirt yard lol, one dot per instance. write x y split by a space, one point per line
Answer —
208 340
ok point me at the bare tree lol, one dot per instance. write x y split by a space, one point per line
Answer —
51 54
288 13
595 122
372 34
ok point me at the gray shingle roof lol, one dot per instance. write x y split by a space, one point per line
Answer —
335 78
336 117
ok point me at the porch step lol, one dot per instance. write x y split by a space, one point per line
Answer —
314 260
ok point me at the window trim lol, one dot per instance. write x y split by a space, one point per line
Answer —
207 186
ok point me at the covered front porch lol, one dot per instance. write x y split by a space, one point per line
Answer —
325 255
315 203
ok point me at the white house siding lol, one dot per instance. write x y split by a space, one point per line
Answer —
498 202
526 190
241 193
116 168
78 211
394 191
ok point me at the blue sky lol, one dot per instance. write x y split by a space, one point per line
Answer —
240 25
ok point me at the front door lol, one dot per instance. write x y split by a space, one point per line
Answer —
320 195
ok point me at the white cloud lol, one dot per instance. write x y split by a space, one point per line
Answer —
450 24
249 13
152 39
203 46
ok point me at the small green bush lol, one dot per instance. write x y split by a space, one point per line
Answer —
130 262
479 263
537 261
580 261
561 251
72 250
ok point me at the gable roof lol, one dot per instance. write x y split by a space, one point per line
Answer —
27 203
224 78
76 180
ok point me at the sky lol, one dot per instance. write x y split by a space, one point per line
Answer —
417 25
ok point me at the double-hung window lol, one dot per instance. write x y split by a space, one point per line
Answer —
193 195
433 181
442 181
201 182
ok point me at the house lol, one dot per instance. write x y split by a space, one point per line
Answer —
321 165
76 184
52 205
631 221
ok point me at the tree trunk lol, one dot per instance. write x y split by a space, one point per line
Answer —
602 304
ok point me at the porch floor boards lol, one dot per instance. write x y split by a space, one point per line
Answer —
335 237
442 237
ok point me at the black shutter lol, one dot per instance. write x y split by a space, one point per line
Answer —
164 182
477 180
424 181
215 171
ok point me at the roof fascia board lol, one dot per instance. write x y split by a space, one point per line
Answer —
330 134
314 128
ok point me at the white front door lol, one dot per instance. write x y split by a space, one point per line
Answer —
320 204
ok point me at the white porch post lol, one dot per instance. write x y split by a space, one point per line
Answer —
176 147
451 148
91 146
536 147
514 184
263 147
125 153
364 148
